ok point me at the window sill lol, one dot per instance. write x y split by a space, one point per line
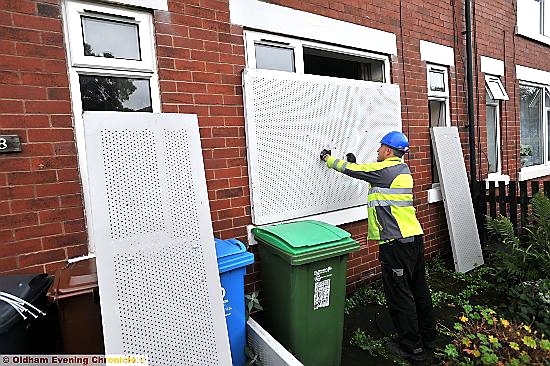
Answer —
497 177
533 172
434 195
536 37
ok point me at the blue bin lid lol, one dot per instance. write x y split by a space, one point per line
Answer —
232 254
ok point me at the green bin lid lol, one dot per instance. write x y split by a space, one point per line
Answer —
297 238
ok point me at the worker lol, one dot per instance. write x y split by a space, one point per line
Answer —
392 221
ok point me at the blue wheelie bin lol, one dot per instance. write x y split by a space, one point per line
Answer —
232 261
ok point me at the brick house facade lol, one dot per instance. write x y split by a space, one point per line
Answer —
200 55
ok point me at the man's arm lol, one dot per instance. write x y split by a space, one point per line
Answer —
368 172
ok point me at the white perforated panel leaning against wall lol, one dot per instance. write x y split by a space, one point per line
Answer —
290 118
457 199
158 279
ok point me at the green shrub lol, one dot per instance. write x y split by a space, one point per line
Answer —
530 304
376 347
481 337
527 258
370 294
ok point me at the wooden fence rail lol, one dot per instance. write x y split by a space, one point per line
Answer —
504 200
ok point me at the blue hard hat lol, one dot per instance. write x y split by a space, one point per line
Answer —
396 140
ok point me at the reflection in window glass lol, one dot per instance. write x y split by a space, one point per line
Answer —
492 125
438 116
111 39
437 80
531 140
274 58
438 113
106 93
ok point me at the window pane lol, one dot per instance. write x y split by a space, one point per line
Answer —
438 113
533 9
492 143
274 58
531 140
105 93
438 116
437 80
111 39
496 89
335 64
547 99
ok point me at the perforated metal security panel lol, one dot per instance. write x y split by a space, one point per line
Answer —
158 278
290 118
456 197
269 351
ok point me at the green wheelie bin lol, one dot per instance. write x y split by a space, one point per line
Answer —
304 287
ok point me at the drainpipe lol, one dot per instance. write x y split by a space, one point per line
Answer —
470 85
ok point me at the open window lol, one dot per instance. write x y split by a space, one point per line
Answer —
495 94
438 105
495 88
266 51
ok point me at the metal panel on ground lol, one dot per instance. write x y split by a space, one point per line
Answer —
456 196
158 278
269 351
290 118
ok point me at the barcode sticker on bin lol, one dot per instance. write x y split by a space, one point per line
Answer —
321 293
321 297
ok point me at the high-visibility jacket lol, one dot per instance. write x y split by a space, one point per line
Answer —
390 199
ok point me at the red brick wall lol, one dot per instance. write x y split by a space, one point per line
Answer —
200 60
41 215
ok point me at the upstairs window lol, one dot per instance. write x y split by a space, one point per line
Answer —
533 19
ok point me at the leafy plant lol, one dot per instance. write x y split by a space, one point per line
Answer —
472 282
252 303
376 347
370 294
530 304
481 337
253 359
527 258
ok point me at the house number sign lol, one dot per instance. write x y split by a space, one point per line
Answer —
9 144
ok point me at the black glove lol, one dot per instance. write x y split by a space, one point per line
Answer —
351 158
324 154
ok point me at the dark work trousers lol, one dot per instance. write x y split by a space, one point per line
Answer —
407 294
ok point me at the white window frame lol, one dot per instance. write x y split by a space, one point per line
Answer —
524 19
78 64
74 11
490 81
253 37
434 194
536 171
496 104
